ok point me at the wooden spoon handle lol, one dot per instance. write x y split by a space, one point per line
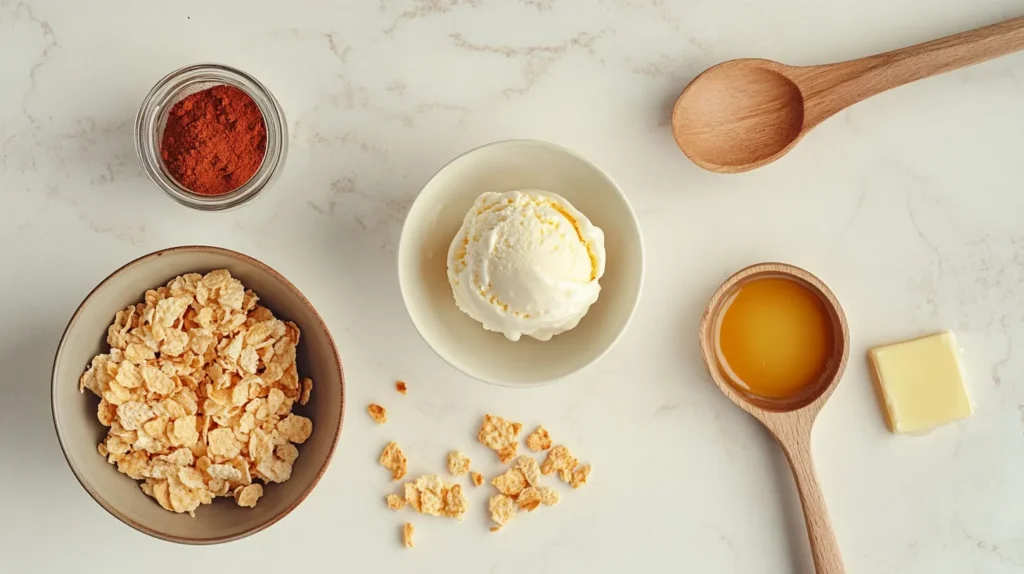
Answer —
824 548
831 88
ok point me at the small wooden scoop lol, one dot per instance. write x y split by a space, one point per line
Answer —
743 114
790 422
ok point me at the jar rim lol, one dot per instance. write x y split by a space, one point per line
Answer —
182 82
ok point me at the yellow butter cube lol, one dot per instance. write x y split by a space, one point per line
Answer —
920 383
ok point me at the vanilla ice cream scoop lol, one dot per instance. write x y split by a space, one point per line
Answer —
526 263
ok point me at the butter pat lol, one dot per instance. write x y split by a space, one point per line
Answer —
920 383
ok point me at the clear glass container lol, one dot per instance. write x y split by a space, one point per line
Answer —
179 84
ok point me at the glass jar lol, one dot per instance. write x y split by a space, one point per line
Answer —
179 84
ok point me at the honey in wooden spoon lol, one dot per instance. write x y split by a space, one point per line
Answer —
775 339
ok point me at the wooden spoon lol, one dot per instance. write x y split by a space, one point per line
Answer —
790 422
743 114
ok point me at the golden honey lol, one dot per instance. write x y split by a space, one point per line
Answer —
775 338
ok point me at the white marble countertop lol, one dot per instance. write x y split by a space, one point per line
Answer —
909 205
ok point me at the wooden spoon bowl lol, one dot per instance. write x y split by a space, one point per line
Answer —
739 113
790 421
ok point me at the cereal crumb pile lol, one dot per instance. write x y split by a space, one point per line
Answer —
519 487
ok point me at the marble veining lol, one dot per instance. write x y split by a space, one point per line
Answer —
908 205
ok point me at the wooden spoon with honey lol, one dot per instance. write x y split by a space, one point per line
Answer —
743 114
776 342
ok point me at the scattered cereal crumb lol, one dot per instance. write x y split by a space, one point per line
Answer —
495 528
559 460
395 502
511 483
412 496
378 413
528 466
430 494
533 496
394 460
401 388
431 487
501 436
529 499
407 532
548 495
579 476
455 504
539 440
503 509
431 502
477 478
458 463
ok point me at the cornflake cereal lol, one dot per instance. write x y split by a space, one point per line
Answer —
407 532
458 463
197 390
378 413
394 460
528 466
539 440
248 495
477 478
560 460
529 499
455 504
501 436
401 388
430 494
395 502
511 483
579 476
548 495
503 509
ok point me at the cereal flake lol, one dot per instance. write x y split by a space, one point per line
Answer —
579 476
378 413
528 466
248 495
393 459
407 531
548 495
458 463
511 483
529 499
455 503
503 509
539 440
395 502
559 460
501 436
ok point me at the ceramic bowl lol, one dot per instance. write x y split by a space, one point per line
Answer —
79 431
436 216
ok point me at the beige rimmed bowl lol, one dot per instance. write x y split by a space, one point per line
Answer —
435 218
79 431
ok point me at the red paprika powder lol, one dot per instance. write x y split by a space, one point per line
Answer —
214 140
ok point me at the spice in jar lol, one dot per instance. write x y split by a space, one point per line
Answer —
214 140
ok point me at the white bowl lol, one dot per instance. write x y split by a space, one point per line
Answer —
436 216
